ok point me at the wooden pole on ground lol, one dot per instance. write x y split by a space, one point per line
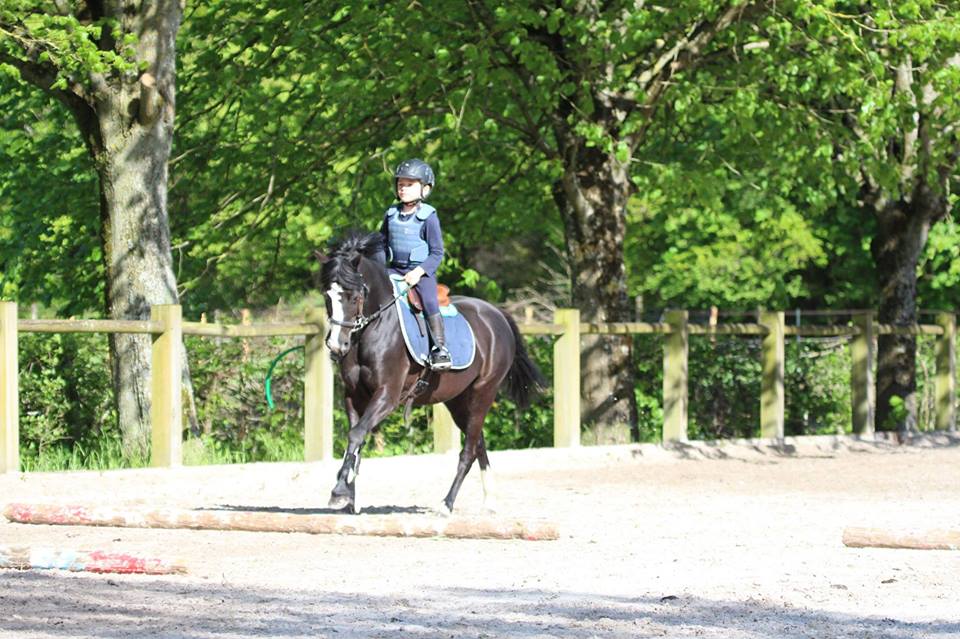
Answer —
27 558
9 390
934 539
271 521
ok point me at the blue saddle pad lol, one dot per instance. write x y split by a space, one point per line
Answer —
459 335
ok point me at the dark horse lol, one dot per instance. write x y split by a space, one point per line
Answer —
379 375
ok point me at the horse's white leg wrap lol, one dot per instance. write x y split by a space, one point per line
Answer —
489 490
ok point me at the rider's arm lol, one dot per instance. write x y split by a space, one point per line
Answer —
434 238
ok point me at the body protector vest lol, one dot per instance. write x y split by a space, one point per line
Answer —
407 248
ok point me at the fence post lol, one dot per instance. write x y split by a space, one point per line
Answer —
946 351
566 379
166 375
317 393
9 390
863 356
446 435
675 353
771 381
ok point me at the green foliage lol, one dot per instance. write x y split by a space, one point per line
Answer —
49 229
236 424
648 359
817 386
724 373
40 33
67 418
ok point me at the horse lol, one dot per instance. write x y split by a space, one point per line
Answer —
378 373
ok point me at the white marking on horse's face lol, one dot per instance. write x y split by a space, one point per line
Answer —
336 309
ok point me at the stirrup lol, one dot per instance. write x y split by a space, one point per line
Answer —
440 359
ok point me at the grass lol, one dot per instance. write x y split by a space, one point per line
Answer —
104 454
107 454
263 447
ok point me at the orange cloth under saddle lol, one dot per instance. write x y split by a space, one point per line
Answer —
443 297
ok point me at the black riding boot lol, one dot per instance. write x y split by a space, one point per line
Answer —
439 355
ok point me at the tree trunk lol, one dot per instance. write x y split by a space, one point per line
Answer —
592 198
902 232
129 132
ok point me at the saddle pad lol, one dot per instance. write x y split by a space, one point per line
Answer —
460 339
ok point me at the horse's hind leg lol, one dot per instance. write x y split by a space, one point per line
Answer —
486 477
468 411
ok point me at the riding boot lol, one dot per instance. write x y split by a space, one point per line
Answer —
439 355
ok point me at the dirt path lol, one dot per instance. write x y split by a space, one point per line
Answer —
698 541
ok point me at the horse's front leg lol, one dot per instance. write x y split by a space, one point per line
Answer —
344 493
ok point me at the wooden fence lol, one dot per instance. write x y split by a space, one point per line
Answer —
167 327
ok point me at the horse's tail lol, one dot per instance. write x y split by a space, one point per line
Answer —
524 381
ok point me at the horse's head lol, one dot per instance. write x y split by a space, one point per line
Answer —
344 288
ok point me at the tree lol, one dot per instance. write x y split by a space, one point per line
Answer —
112 65
578 84
543 103
883 79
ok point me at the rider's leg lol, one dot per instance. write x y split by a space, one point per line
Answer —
439 355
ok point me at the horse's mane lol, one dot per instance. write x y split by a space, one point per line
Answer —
341 265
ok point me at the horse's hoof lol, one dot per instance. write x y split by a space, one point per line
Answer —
490 507
341 502
443 510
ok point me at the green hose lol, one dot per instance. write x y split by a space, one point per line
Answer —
269 379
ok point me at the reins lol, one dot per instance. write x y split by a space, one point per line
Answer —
362 320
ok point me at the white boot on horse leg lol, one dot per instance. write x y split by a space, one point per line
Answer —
352 482
489 491
344 494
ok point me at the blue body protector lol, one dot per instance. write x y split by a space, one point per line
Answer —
407 247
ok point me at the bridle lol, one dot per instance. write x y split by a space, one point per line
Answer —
362 321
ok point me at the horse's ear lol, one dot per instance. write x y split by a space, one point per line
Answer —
355 260
322 257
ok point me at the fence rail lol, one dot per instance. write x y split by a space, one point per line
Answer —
168 328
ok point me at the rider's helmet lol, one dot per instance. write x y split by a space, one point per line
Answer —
414 169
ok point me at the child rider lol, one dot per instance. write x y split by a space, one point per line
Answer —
414 246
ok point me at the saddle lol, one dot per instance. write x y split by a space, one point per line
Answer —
443 297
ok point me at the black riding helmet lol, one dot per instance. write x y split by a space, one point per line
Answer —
414 169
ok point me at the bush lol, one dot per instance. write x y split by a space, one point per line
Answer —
817 386
233 419
67 417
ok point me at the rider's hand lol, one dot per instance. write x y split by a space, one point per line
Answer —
414 276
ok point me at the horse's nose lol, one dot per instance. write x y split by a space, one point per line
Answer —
336 349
